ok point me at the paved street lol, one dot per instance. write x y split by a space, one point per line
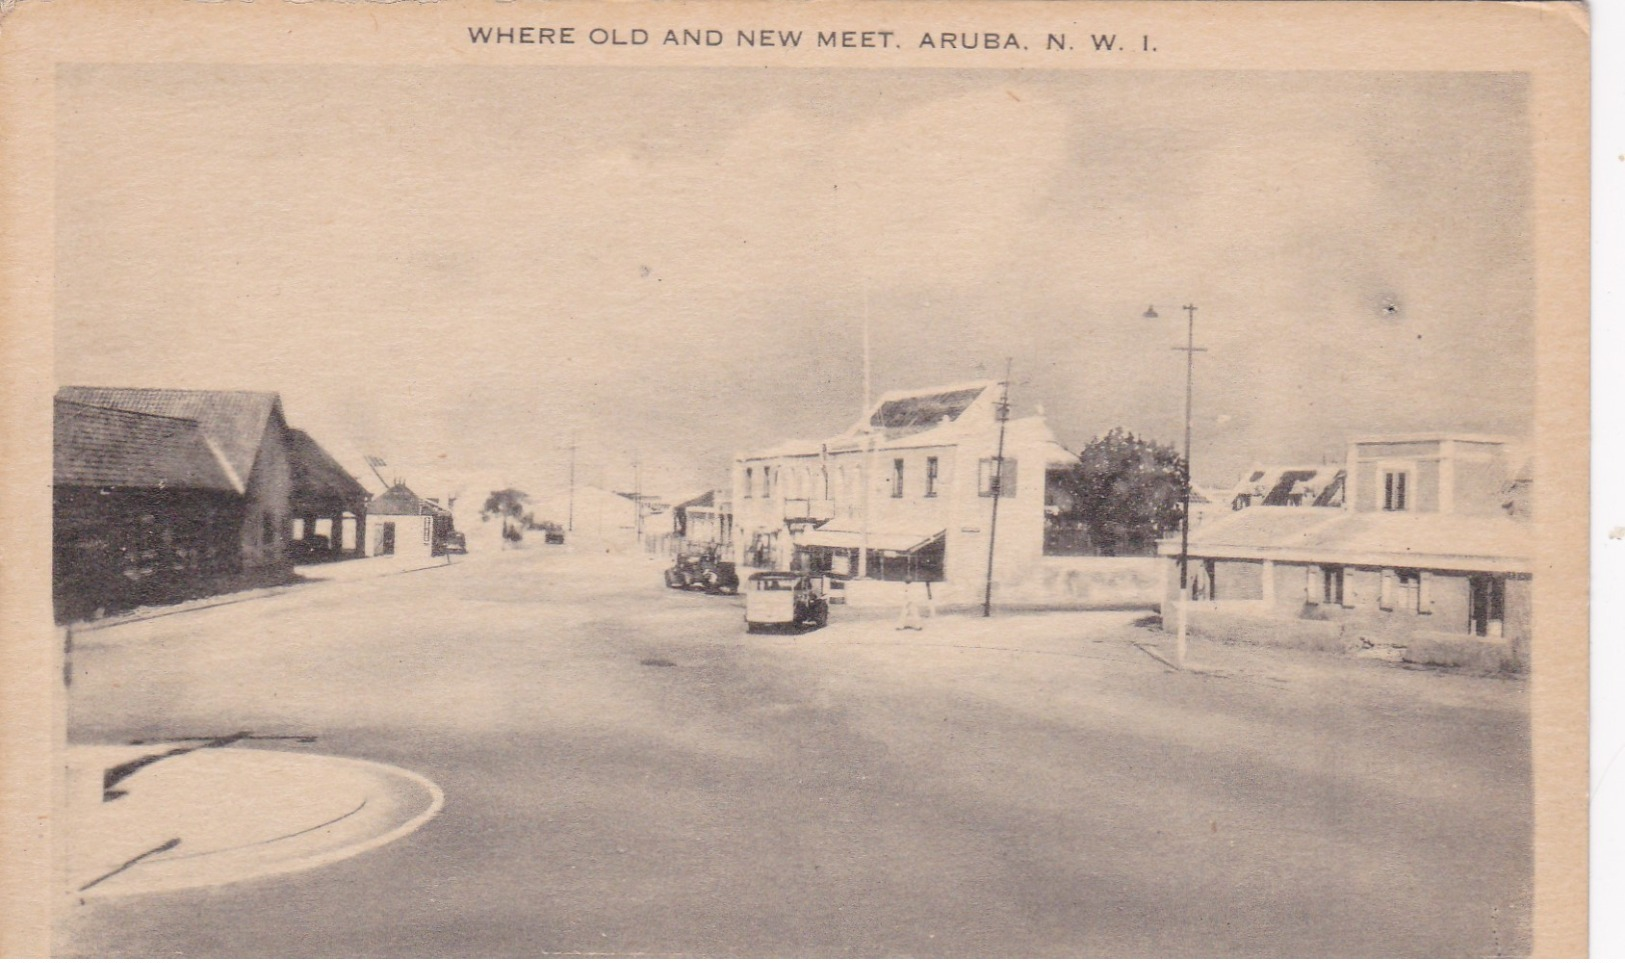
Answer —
627 773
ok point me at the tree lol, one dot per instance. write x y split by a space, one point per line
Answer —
1127 492
508 505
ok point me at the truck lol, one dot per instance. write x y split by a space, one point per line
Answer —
786 598
703 572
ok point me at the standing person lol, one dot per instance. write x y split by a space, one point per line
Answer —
909 618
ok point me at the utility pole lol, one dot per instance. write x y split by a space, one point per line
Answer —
1003 411
868 473
1190 349
570 526
637 497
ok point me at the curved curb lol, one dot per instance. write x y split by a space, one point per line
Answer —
128 880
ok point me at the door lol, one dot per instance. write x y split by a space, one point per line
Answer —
1486 605
386 539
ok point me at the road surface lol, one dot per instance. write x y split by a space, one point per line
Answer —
627 773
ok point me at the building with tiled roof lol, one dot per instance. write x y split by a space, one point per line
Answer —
1431 552
163 494
106 448
401 524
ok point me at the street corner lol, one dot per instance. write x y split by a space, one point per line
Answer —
154 818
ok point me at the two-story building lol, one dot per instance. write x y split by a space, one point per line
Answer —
906 492
1431 553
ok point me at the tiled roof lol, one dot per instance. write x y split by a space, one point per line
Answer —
1408 539
924 410
316 476
104 447
1276 484
234 421
400 500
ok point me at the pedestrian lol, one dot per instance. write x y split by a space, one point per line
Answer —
909 618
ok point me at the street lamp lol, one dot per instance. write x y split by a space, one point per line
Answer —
1190 350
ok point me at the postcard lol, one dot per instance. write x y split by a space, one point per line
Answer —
794 480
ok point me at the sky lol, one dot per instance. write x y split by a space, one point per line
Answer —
464 269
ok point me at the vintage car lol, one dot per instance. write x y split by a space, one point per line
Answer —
704 572
456 543
786 598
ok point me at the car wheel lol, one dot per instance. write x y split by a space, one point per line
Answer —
670 581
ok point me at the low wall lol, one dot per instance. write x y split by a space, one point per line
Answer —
1467 652
1248 623
1086 582
1264 630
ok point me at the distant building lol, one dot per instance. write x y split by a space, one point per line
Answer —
907 491
705 520
1209 503
1291 486
598 518
1431 549
401 524
165 494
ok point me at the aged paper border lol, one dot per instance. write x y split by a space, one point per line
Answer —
1550 41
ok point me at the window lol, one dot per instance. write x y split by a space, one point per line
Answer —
1393 490
750 483
1331 579
1486 605
767 481
992 477
267 527
931 469
897 478
1402 591
428 530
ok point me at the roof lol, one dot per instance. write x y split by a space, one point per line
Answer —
400 500
316 475
233 421
1403 438
698 501
924 409
103 447
845 533
1276 484
1402 539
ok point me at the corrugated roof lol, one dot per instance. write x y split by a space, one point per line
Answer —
108 448
235 421
1414 539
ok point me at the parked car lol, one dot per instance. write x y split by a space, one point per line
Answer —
786 598
703 572
456 543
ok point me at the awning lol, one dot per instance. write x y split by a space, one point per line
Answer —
878 541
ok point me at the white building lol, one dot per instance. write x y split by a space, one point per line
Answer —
401 524
908 491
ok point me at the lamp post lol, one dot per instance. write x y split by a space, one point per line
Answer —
1190 350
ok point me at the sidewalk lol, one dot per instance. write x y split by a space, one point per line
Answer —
185 816
306 576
